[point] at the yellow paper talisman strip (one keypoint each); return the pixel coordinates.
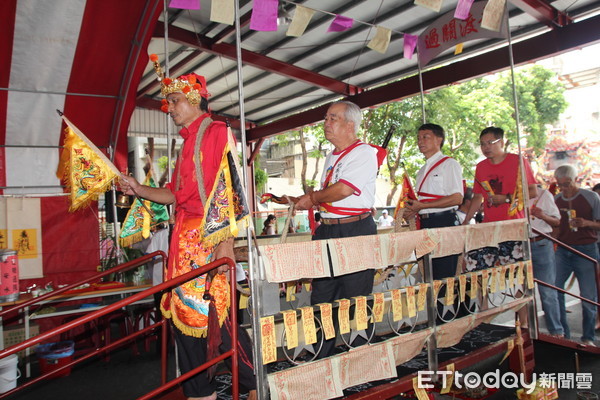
(308, 323)
(449, 291)
(419, 391)
(530, 283)
(494, 280)
(269, 345)
(502, 278)
(410, 301)
(449, 379)
(511, 276)
(327, 320)
(344, 315)
(462, 287)
(396, 304)
(436, 288)
(520, 277)
(378, 306)
(511, 346)
(474, 285)
(243, 302)
(290, 322)
(360, 313)
(485, 276)
(421, 296)
(307, 286)
(290, 291)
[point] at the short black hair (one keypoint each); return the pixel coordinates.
(497, 132)
(596, 187)
(436, 129)
(204, 104)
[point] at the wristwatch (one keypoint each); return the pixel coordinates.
(507, 198)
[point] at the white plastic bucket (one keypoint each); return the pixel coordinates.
(9, 373)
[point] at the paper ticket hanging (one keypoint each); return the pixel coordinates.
(419, 391)
(520, 277)
(511, 346)
(290, 323)
(449, 300)
(344, 315)
(530, 282)
(269, 345)
(396, 304)
(410, 301)
(511, 276)
(421, 296)
(462, 287)
(360, 313)
(327, 320)
(494, 280)
(308, 324)
(473, 288)
(290, 291)
(378, 306)
(502, 278)
(485, 276)
(449, 379)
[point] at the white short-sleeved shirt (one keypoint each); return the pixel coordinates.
(545, 202)
(357, 169)
(444, 180)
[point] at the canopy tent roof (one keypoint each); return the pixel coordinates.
(287, 79)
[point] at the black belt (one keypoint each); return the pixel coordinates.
(345, 220)
(437, 214)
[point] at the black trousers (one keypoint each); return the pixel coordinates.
(327, 290)
(443, 267)
(192, 353)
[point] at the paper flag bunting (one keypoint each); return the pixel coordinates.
(410, 43)
(301, 19)
(185, 4)
(462, 9)
(222, 11)
(381, 41)
(264, 15)
(340, 24)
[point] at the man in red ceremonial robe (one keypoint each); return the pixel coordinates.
(204, 179)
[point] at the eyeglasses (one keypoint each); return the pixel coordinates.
(564, 184)
(489, 142)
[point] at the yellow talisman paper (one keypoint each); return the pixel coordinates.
(449, 379)
(308, 323)
(243, 302)
(290, 322)
(396, 304)
(520, 277)
(511, 276)
(502, 278)
(436, 288)
(378, 306)
(449, 291)
(462, 287)
(410, 301)
(307, 286)
(327, 320)
(269, 345)
(421, 296)
(511, 346)
(530, 283)
(419, 391)
(360, 314)
(485, 277)
(494, 280)
(473, 288)
(344, 315)
(290, 291)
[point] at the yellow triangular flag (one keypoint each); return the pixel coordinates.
(301, 19)
(87, 172)
(381, 40)
(222, 11)
(458, 49)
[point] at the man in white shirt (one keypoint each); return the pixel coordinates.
(345, 200)
(385, 220)
(439, 190)
(544, 216)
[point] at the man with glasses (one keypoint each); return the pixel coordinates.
(496, 180)
(579, 225)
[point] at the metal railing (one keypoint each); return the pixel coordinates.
(162, 323)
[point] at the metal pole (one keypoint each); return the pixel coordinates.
(531, 313)
(166, 45)
(432, 314)
(421, 90)
(259, 369)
